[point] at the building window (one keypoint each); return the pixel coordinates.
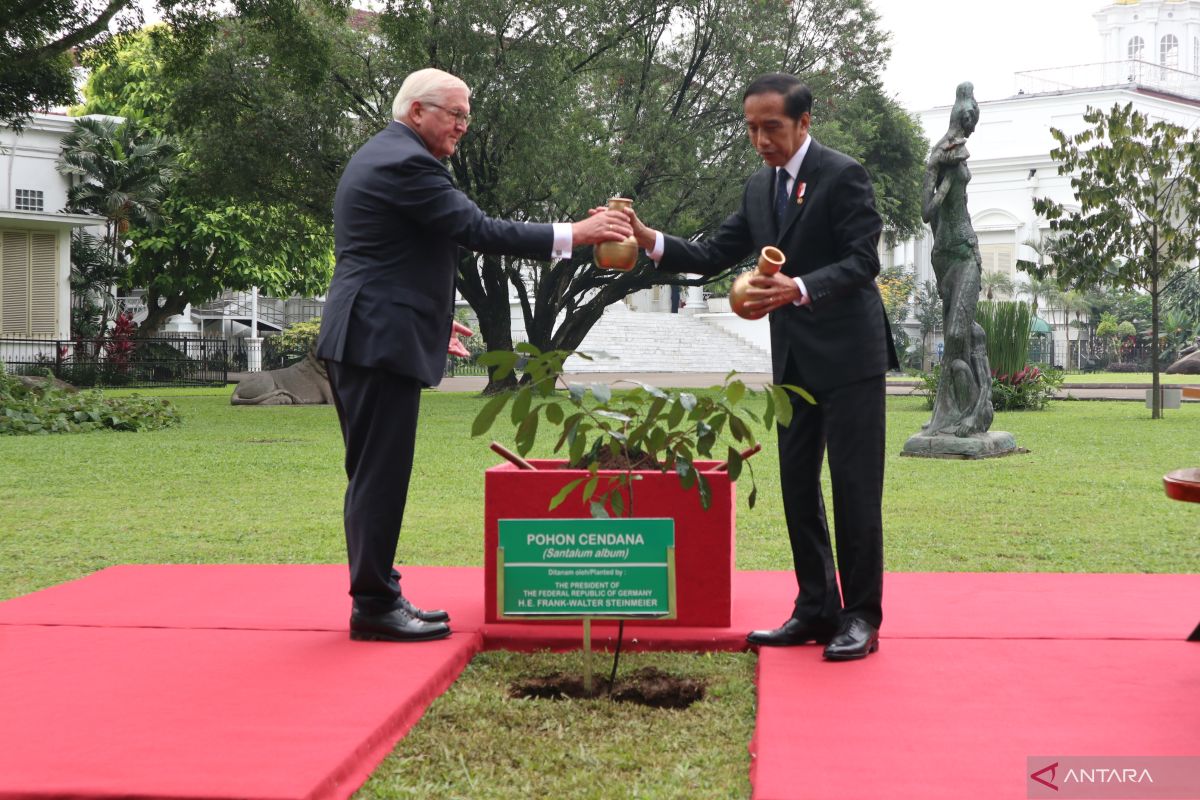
(1168, 51)
(28, 288)
(1137, 48)
(997, 258)
(29, 200)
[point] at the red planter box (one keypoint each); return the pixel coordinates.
(704, 552)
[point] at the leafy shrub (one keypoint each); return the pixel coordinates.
(41, 407)
(1029, 389)
(299, 337)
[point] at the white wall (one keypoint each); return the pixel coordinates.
(27, 161)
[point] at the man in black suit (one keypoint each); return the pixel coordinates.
(398, 224)
(829, 335)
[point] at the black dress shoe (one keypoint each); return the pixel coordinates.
(855, 639)
(435, 615)
(396, 625)
(792, 632)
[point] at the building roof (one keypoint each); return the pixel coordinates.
(47, 221)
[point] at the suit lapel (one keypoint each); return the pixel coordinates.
(759, 191)
(809, 169)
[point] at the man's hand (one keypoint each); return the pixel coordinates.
(602, 225)
(456, 347)
(645, 236)
(769, 292)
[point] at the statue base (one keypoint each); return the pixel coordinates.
(991, 444)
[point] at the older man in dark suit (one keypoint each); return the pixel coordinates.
(398, 224)
(829, 335)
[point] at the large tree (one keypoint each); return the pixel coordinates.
(39, 39)
(642, 98)
(203, 241)
(1137, 183)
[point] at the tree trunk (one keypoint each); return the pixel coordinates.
(1156, 406)
(484, 287)
(157, 316)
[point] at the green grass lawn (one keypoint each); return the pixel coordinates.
(255, 484)
(1136, 378)
(264, 484)
(476, 742)
(1130, 377)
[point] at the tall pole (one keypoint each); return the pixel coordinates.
(254, 343)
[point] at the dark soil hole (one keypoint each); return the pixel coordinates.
(647, 686)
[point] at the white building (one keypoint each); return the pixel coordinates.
(1150, 57)
(35, 236)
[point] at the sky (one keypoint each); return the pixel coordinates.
(982, 41)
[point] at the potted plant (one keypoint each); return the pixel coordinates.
(643, 452)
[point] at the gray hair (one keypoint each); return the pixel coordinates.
(427, 86)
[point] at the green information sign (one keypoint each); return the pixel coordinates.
(586, 567)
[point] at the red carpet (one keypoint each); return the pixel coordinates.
(162, 713)
(953, 719)
(240, 681)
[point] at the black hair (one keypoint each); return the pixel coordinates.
(797, 98)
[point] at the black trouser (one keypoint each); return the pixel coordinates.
(378, 413)
(848, 421)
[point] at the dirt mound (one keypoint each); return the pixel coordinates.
(647, 686)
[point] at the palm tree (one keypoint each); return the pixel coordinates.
(1075, 303)
(992, 282)
(124, 172)
(1041, 288)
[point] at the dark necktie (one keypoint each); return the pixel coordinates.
(781, 196)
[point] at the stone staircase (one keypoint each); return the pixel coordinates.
(643, 341)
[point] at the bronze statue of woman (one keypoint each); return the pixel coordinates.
(964, 396)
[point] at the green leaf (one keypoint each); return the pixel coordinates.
(618, 503)
(568, 426)
(554, 414)
(654, 391)
(602, 392)
(753, 496)
(577, 392)
(675, 415)
(768, 418)
(528, 349)
(686, 472)
(734, 392)
(487, 414)
(589, 488)
(562, 494)
(598, 510)
(502, 360)
(688, 401)
(738, 428)
(526, 434)
(735, 464)
(578, 442)
(783, 406)
(520, 406)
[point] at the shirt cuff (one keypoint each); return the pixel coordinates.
(659, 245)
(803, 291)
(564, 240)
